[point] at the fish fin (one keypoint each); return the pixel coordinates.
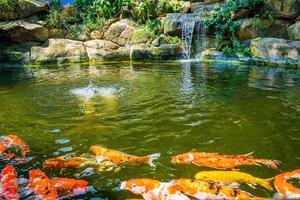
(252, 185)
(152, 158)
(249, 154)
(267, 183)
(234, 185)
(273, 164)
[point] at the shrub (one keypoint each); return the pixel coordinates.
(55, 20)
(7, 6)
(224, 27)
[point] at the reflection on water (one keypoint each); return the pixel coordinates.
(141, 108)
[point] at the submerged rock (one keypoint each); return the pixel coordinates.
(256, 27)
(276, 50)
(59, 51)
(294, 31)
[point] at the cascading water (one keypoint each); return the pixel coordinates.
(201, 32)
(187, 37)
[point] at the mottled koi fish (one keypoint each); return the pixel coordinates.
(221, 161)
(229, 177)
(70, 187)
(205, 190)
(10, 145)
(9, 182)
(42, 186)
(68, 161)
(285, 189)
(152, 189)
(117, 157)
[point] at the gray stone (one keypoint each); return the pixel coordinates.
(59, 51)
(294, 31)
(283, 8)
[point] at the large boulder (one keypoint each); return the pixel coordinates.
(257, 27)
(98, 50)
(294, 31)
(23, 31)
(167, 52)
(120, 32)
(25, 8)
(59, 51)
(174, 22)
(276, 50)
(283, 8)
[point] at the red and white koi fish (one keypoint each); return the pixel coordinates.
(9, 182)
(152, 189)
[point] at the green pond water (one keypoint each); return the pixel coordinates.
(144, 108)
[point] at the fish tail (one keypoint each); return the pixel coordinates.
(267, 183)
(273, 164)
(151, 158)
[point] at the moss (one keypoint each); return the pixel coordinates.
(142, 36)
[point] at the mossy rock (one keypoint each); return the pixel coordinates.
(142, 36)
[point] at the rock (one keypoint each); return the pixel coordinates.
(22, 31)
(257, 27)
(167, 52)
(165, 39)
(19, 53)
(205, 8)
(120, 32)
(59, 51)
(276, 50)
(213, 54)
(283, 8)
(25, 8)
(294, 31)
(97, 34)
(98, 50)
(142, 36)
(140, 51)
(186, 7)
(173, 22)
(240, 14)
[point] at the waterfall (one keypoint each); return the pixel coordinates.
(187, 37)
(201, 32)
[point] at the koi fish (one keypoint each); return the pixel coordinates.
(42, 186)
(9, 182)
(284, 188)
(68, 161)
(70, 187)
(228, 177)
(118, 157)
(10, 145)
(152, 189)
(222, 162)
(209, 190)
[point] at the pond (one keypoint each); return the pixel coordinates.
(144, 108)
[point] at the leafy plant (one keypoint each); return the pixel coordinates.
(7, 6)
(224, 27)
(55, 20)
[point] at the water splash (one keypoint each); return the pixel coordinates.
(187, 37)
(91, 91)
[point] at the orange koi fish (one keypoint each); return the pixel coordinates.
(285, 189)
(9, 182)
(42, 186)
(70, 187)
(10, 145)
(152, 189)
(222, 162)
(117, 157)
(209, 190)
(67, 161)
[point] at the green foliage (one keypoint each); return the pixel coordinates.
(8, 6)
(153, 26)
(224, 27)
(150, 9)
(55, 20)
